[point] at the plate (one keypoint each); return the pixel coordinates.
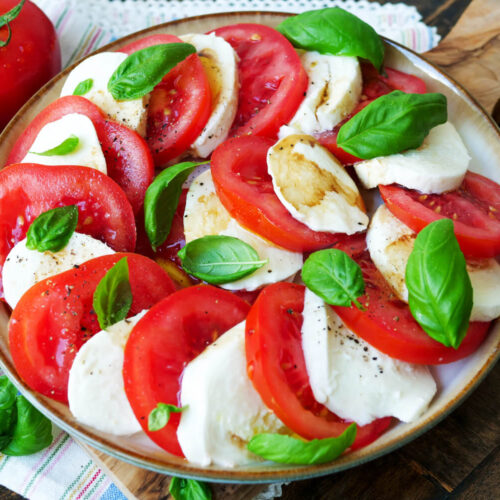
(455, 381)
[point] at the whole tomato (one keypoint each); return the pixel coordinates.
(30, 59)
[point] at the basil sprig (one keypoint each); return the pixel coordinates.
(65, 148)
(219, 259)
(141, 71)
(439, 287)
(334, 31)
(392, 123)
(189, 489)
(83, 87)
(159, 416)
(7, 18)
(113, 295)
(335, 277)
(289, 450)
(52, 230)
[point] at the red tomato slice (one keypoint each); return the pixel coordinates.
(276, 366)
(128, 158)
(272, 80)
(239, 171)
(474, 209)
(55, 317)
(387, 323)
(180, 104)
(164, 341)
(27, 190)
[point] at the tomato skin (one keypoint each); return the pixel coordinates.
(168, 337)
(276, 367)
(55, 317)
(272, 79)
(128, 159)
(31, 58)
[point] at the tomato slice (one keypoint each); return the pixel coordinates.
(128, 158)
(180, 104)
(272, 79)
(27, 190)
(276, 366)
(164, 341)
(55, 317)
(387, 323)
(239, 171)
(474, 209)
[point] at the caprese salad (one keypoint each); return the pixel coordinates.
(187, 253)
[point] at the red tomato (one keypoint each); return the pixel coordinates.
(387, 323)
(31, 58)
(164, 341)
(27, 190)
(55, 317)
(128, 158)
(239, 171)
(272, 80)
(276, 366)
(180, 104)
(474, 209)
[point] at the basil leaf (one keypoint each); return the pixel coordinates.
(52, 230)
(8, 411)
(189, 489)
(113, 295)
(141, 71)
(334, 31)
(289, 450)
(83, 87)
(161, 200)
(439, 287)
(391, 124)
(8, 393)
(219, 259)
(335, 277)
(65, 148)
(159, 416)
(6, 18)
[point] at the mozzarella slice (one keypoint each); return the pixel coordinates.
(96, 392)
(314, 187)
(224, 411)
(353, 379)
(438, 165)
(24, 267)
(205, 215)
(88, 153)
(99, 69)
(334, 89)
(220, 62)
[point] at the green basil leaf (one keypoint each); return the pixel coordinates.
(8, 393)
(32, 432)
(391, 124)
(8, 411)
(159, 416)
(52, 230)
(113, 295)
(219, 259)
(189, 489)
(161, 200)
(65, 148)
(335, 277)
(6, 18)
(83, 87)
(334, 31)
(289, 450)
(439, 287)
(141, 71)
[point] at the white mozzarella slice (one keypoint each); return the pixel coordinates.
(205, 215)
(354, 380)
(314, 187)
(438, 165)
(224, 411)
(99, 69)
(88, 152)
(334, 89)
(220, 62)
(96, 392)
(24, 267)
